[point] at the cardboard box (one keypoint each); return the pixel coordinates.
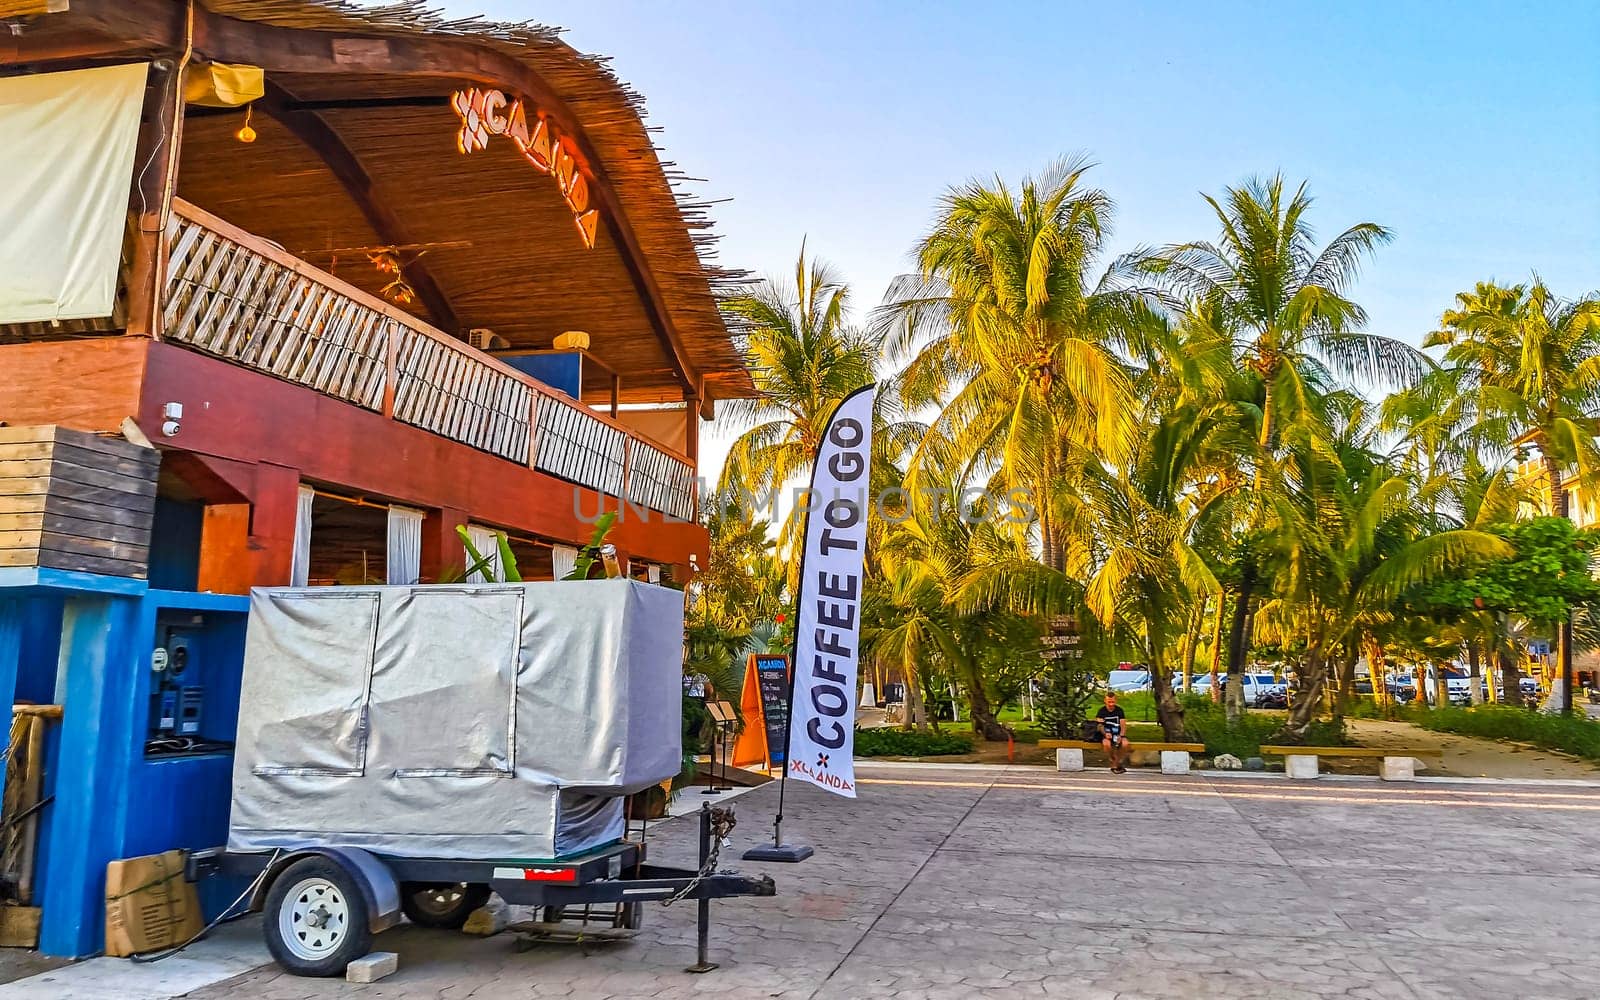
(149, 906)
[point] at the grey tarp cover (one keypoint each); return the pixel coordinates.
(472, 721)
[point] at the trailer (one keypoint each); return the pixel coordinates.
(410, 750)
(322, 905)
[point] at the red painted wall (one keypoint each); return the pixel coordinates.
(237, 414)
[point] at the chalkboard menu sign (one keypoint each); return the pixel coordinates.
(772, 674)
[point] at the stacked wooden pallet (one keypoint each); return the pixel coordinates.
(76, 501)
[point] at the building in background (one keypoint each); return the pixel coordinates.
(289, 292)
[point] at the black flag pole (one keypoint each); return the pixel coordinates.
(778, 850)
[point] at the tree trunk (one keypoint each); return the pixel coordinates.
(1561, 506)
(1510, 685)
(1236, 641)
(984, 724)
(1347, 680)
(1312, 679)
(1474, 673)
(1216, 645)
(916, 707)
(1191, 644)
(1169, 712)
(1375, 671)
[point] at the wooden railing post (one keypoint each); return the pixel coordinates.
(627, 475)
(391, 367)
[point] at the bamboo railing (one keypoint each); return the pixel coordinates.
(235, 296)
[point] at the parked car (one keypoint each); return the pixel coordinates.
(1276, 696)
(1254, 685)
(1457, 686)
(1128, 680)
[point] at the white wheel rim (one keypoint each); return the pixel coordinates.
(314, 919)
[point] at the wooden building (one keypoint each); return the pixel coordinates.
(351, 288)
(290, 291)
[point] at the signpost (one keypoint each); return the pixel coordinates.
(1064, 641)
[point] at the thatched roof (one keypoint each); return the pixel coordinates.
(525, 274)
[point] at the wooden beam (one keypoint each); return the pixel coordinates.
(318, 136)
(31, 8)
(160, 133)
(285, 50)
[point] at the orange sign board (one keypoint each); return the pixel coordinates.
(764, 703)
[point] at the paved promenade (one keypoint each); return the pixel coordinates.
(966, 881)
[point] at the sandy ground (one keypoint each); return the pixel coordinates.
(1469, 756)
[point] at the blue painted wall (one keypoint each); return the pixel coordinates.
(559, 371)
(110, 801)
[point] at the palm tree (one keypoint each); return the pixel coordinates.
(805, 358)
(1353, 534)
(1529, 369)
(1282, 300)
(1014, 339)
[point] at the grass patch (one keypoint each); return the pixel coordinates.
(903, 743)
(1572, 734)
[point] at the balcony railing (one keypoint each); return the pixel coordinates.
(237, 297)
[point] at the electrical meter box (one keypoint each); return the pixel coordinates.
(184, 674)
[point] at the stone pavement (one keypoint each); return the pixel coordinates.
(950, 881)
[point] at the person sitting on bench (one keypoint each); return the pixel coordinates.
(1115, 743)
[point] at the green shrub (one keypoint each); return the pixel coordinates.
(1207, 722)
(1573, 734)
(1325, 733)
(909, 743)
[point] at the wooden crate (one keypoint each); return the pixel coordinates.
(76, 501)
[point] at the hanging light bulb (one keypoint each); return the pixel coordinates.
(246, 134)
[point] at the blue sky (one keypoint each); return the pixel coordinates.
(1470, 129)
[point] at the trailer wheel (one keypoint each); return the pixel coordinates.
(445, 905)
(316, 919)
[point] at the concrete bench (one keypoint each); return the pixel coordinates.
(1301, 762)
(1174, 756)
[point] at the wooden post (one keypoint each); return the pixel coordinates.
(155, 164)
(442, 550)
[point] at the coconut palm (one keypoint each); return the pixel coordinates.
(1014, 338)
(805, 358)
(1282, 300)
(1528, 364)
(1353, 534)
(1526, 367)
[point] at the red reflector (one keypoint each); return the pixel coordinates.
(550, 874)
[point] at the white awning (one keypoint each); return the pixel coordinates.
(66, 166)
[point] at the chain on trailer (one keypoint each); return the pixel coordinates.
(722, 824)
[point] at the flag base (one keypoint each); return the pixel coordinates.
(790, 853)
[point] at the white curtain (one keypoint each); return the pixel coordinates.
(300, 562)
(484, 540)
(565, 559)
(652, 573)
(66, 163)
(404, 556)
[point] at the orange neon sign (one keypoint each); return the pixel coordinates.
(485, 113)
